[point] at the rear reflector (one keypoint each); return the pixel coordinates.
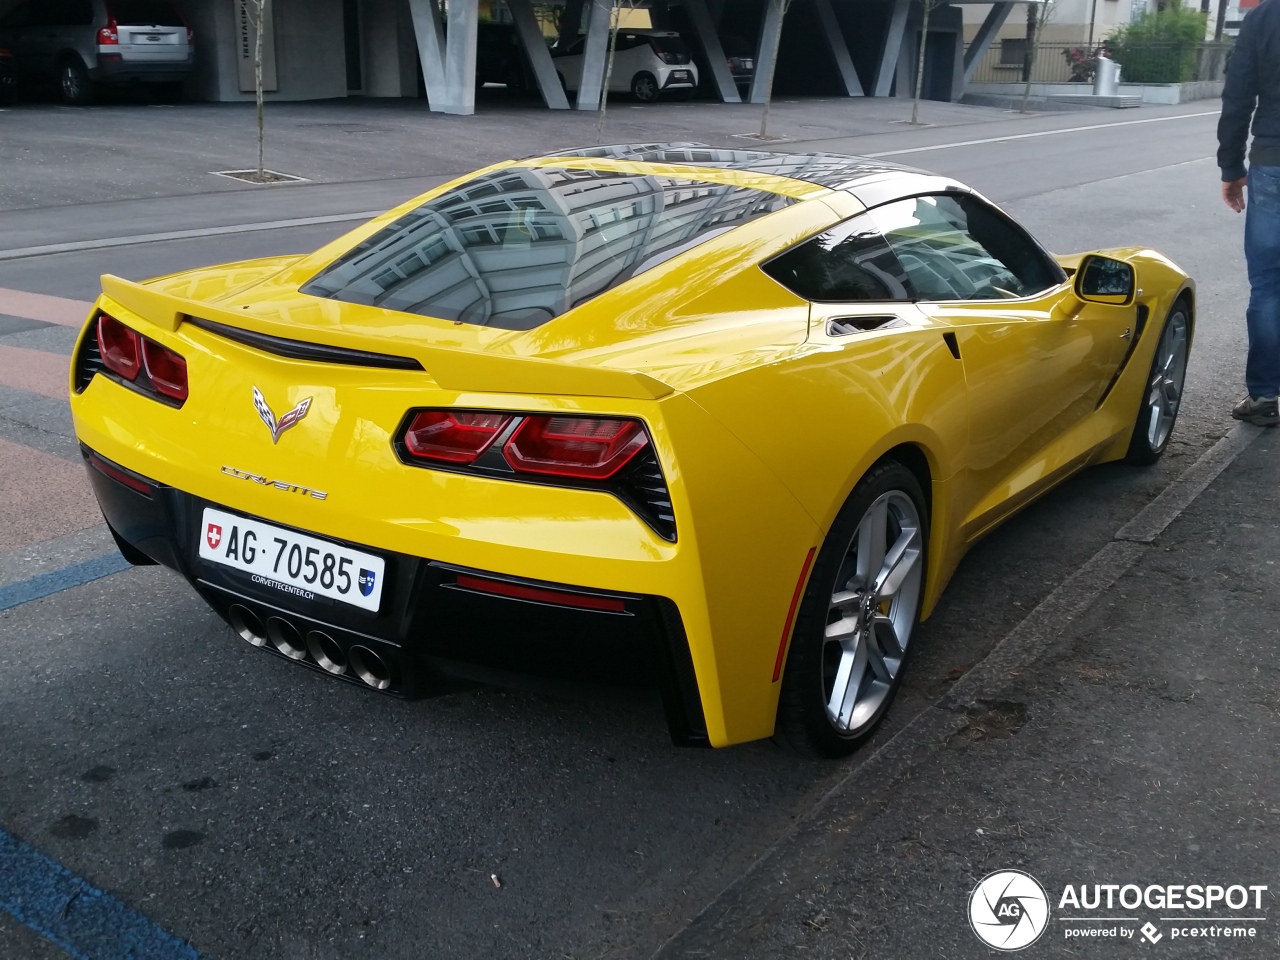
(120, 475)
(593, 448)
(559, 598)
(453, 436)
(791, 614)
(120, 347)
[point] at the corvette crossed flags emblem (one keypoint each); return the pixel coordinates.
(286, 421)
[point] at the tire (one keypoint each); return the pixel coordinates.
(74, 83)
(644, 87)
(1158, 411)
(846, 637)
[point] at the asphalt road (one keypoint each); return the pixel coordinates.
(257, 810)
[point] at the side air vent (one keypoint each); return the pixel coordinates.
(843, 326)
(643, 488)
(88, 359)
(301, 350)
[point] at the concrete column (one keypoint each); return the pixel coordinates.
(839, 49)
(430, 37)
(460, 58)
(892, 48)
(710, 40)
(991, 25)
(539, 56)
(595, 54)
(571, 20)
(767, 53)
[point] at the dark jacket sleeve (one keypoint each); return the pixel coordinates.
(1239, 96)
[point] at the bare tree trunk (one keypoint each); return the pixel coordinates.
(1030, 62)
(257, 76)
(924, 43)
(783, 6)
(608, 65)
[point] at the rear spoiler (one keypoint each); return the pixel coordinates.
(452, 368)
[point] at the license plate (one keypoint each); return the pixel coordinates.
(680, 74)
(292, 563)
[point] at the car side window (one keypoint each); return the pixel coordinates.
(956, 247)
(20, 16)
(849, 262)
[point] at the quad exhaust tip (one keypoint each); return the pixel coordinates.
(286, 638)
(370, 667)
(247, 623)
(326, 652)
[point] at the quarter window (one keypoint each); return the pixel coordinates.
(956, 247)
(849, 262)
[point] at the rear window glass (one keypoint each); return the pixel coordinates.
(147, 13)
(670, 45)
(520, 246)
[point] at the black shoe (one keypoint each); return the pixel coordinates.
(1260, 411)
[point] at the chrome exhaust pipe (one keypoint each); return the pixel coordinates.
(326, 652)
(370, 667)
(285, 637)
(247, 623)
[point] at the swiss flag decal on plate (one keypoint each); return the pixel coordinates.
(214, 535)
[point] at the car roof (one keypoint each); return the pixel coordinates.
(870, 179)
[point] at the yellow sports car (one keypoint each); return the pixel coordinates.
(725, 420)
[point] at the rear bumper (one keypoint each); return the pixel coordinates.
(430, 629)
(134, 71)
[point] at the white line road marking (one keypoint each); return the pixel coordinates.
(1021, 647)
(18, 253)
(1040, 133)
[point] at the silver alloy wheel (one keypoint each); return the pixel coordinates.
(645, 88)
(1168, 374)
(71, 82)
(872, 612)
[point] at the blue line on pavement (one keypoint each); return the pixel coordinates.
(46, 584)
(72, 913)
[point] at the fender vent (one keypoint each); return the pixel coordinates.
(843, 326)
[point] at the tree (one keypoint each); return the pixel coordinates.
(920, 52)
(1038, 14)
(256, 10)
(782, 6)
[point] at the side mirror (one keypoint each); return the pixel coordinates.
(1104, 280)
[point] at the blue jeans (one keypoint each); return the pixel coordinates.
(1262, 254)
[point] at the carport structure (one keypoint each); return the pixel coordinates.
(449, 59)
(319, 49)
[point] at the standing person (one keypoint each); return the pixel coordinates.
(1252, 92)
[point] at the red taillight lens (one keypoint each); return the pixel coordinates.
(108, 35)
(590, 447)
(453, 436)
(5, 53)
(167, 370)
(560, 598)
(120, 347)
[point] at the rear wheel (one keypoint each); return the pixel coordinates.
(853, 633)
(74, 83)
(1158, 411)
(644, 87)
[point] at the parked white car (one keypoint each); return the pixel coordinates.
(648, 63)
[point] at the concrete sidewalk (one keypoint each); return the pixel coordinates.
(1141, 749)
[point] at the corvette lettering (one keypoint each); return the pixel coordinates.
(277, 484)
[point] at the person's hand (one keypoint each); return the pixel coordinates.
(1233, 194)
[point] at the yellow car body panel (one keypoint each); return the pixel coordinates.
(762, 417)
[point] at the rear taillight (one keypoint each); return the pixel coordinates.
(610, 454)
(167, 370)
(150, 367)
(108, 35)
(5, 53)
(121, 348)
(593, 448)
(453, 436)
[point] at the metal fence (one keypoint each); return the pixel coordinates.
(1010, 61)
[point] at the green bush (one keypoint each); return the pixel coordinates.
(1159, 47)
